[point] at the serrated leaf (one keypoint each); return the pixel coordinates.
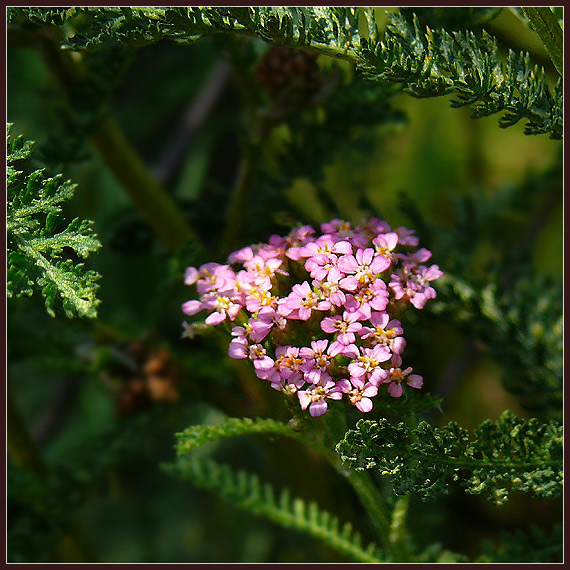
(522, 455)
(37, 255)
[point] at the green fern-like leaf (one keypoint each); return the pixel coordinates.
(521, 455)
(431, 63)
(37, 247)
(195, 436)
(247, 492)
(523, 328)
(425, 62)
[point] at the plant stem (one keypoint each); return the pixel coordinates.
(398, 525)
(546, 26)
(360, 481)
(147, 195)
(236, 214)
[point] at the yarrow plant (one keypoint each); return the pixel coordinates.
(315, 314)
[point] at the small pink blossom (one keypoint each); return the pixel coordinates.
(241, 255)
(301, 302)
(406, 236)
(414, 284)
(210, 277)
(385, 245)
(342, 230)
(315, 397)
(374, 296)
(264, 269)
(385, 332)
(223, 307)
(286, 368)
(360, 392)
(318, 359)
(395, 378)
(343, 326)
(368, 364)
(361, 268)
(330, 292)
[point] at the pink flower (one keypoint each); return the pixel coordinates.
(330, 292)
(223, 307)
(360, 392)
(372, 297)
(263, 269)
(254, 331)
(326, 245)
(301, 302)
(296, 239)
(292, 363)
(372, 227)
(259, 297)
(385, 245)
(315, 397)
(272, 317)
(318, 359)
(324, 267)
(367, 364)
(344, 326)
(261, 362)
(397, 376)
(287, 370)
(210, 277)
(415, 284)
(406, 237)
(410, 260)
(240, 255)
(361, 268)
(342, 230)
(385, 332)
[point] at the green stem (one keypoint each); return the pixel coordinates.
(372, 502)
(360, 481)
(156, 207)
(146, 194)
(237, 208)
(546, 26)
(397, 535)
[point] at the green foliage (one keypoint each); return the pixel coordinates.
(38, 247)
(536, 545)
(483, 201)
(524, 455)
(247, 492)
(521, 327)
(431, 63)
(195, 436)
(427, 63)
(504, 302)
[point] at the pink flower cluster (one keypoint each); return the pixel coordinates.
(314, 313)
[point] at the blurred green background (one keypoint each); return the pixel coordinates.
(85, 388)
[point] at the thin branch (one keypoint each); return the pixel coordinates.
(169, 163)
